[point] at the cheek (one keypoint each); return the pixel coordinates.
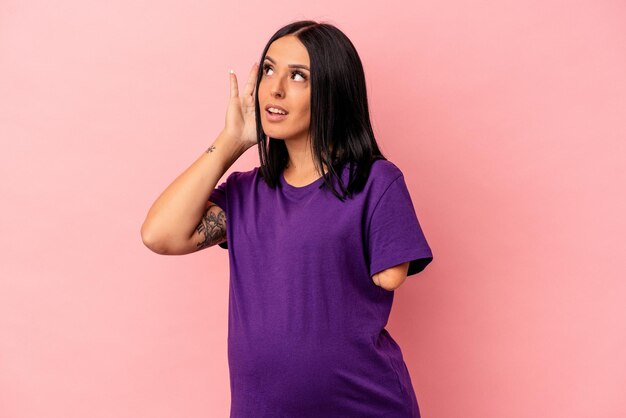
(305, 104)
(304, 110)
(262, 90)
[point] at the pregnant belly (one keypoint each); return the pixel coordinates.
(312, 376)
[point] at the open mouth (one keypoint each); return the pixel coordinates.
(274, 116)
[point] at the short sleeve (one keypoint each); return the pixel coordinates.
(394, 235)
(218, 196)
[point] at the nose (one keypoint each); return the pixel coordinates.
(277, 89)
(276, 92)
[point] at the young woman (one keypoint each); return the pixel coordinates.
(319, 235)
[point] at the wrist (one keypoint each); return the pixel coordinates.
(229, 146)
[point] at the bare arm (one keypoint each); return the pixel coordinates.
(211, 230)
(180, 219)
(391, 278)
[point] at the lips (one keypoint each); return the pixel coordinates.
(276, 107)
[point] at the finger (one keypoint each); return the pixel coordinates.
(234, 89)
(251, 80)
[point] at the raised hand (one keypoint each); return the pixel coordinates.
(240, 114)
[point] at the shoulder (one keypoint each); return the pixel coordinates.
(385, 170)
(242, 177)
(382, 174)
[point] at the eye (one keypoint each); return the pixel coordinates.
(300, 74)
(295, 72)
(265, 67)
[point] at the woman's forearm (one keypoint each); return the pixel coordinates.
(176, 213)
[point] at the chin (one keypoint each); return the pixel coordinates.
(275, 132)
(282, 134)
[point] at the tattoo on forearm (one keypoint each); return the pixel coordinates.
(212, 226)
(210, 149)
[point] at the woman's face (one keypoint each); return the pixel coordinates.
(285, 82)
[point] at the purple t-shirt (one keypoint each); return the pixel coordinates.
(306, 329)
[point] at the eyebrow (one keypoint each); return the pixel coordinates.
(267, 57)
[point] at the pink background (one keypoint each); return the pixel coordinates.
(507, 118)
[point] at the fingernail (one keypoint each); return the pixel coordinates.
(232, 72)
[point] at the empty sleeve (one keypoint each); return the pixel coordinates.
(394, 235)
(219, 197)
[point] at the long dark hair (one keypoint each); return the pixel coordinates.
(340, 123)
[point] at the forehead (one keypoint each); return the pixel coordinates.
(288, 50)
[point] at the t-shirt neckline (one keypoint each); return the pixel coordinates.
(301, 188)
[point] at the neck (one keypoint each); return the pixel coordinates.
(301, 163)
